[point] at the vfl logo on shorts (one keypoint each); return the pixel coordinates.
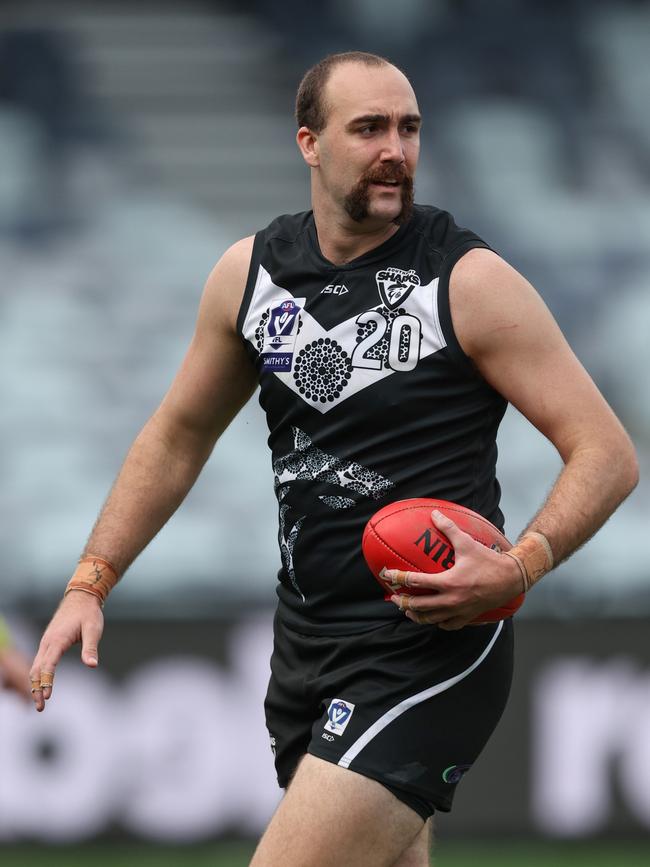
(338, 715)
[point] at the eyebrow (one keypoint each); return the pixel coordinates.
(384, 118)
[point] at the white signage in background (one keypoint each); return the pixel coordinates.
(57, 775)
(591, 726)
(179, 751)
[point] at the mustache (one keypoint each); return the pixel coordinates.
(386, 173)
(357, 200)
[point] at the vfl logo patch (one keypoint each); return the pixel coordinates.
(280, 334)
(395, 285)
(338, 715)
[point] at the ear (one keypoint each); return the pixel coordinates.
(308, 143)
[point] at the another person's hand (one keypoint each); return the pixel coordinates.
(78, 618)
(479, 580)
(14, 670)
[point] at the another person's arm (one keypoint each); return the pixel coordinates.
(14, 667)
(506, 329)
(214, 381)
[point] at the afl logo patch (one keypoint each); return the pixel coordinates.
(395, 284)
(279, 338)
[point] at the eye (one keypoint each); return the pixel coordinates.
(368, 129)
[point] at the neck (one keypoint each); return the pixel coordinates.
(339, 245)
(341, 239)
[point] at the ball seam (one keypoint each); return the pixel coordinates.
(392, 550)
(475, 516)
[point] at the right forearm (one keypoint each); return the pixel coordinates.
(157, 474)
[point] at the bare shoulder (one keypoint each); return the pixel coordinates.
(506, 329)
(224, 288)
(492, 303)
(216, 377)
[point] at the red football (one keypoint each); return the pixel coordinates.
(403, 536)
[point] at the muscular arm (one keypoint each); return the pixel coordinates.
(214, 381)
(506, 329)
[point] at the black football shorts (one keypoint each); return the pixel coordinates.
(410, 706)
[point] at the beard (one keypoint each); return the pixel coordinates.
(357, 201)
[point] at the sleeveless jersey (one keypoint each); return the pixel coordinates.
(369, 399)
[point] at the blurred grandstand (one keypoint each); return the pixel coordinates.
(138, 141)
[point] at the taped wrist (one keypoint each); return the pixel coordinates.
(534, 556)
(93, 575)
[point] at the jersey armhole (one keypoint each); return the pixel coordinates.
(444, 308)
(251, 282)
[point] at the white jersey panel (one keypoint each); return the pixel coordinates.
(326, 366)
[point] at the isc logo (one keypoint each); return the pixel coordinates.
(334, 289)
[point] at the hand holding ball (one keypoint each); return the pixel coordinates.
(403, 536)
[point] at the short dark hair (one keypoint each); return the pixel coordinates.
(310, 108)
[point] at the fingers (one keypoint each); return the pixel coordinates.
(421, 609)
(37, 692)
(459, 539)
(41, 678)
(441, 598)
(451, 530)
(397, 578)
(47, 682)
(453, 623)
(430, 610)
(402, 600)
(433, 618)
(90, 635)
(42, 672)
(78, 618)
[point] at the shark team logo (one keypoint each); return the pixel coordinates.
(395, 285)
(338, 715)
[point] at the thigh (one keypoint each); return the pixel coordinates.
(331, 815)
(419, 853)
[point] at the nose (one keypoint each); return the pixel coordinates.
(393, 150)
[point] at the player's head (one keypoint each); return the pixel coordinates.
(359, 131)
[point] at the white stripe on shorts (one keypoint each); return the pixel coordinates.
(407, 703)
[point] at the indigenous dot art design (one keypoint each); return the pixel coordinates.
(380, 350)
(259, 331)
(338, 502)
(307, 462)
(322, 370)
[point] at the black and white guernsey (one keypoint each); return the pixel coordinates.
(369, 399)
